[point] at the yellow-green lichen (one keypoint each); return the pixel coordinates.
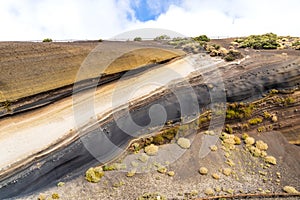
(131, 173)
(261, 145)
(151, 150)
(184, 143)
(227, 171)
(290, 190)
(271, 160)
(203, 170)
(94, 174)
(55, 196)
(255, 121)
(213, 148)
(209, 191)
(171, 173)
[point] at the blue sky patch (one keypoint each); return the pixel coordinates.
(146, 10)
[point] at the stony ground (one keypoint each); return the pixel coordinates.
(173, 173)
(245, 173)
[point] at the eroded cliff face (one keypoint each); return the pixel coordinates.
(245, 83)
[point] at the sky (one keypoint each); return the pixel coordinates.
(95, 19)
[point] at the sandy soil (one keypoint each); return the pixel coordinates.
(30, 68)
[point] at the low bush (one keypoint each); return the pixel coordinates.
(255, 121)
(47, 40)
(265, 41)
(239, 111)
(233, 55)
(138, 39)
(202, 38)
(162, 37)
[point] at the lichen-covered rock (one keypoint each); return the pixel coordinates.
(171, 173)
(151, 150)
(290, 190)
(213, 148)
(271, 160)
(151, 196)
(41, 197)
(216, 176)
(131, 173)
(209, 132)
(256, 152)
(249, 141)
(55, 196)
(261, 145)
(203, 170)
(184, 143)
(244, 136)
(94, 175)
(143, 157)
(227, 171)
(60, 184)
(209, 191)
(162, 169)
(274, 118)
(237, 140)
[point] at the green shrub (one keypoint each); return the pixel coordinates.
(162, 37)
(202, 38)
(239, 111)
(158, 140)
(255, 121)
(47, 40)
(100, 40)
(297, 43)
(265, 41)
(232, 55)
(137, 39)
(228, 129)
(216, 46)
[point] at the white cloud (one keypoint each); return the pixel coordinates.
(230, 17)
(90, 19)
(62, 19)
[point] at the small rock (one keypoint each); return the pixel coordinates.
(151, 150)
(245, 136)
(209, 191)
(255, 151)
(230, 191)
(171, 173)
(162, 169)
(213, 148)
(274, 118)
(290, 190)
(184, 143)
(261, 145)
(237, 140)
(227, 171)
(131, 173)
(41, 197)
(143, 158)
(249, 141)
(60, 184)
(203, 170)
(194, 192)
(270, 159)
(216, 176)
(94, 174)
(55, 196)
(218, 189)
